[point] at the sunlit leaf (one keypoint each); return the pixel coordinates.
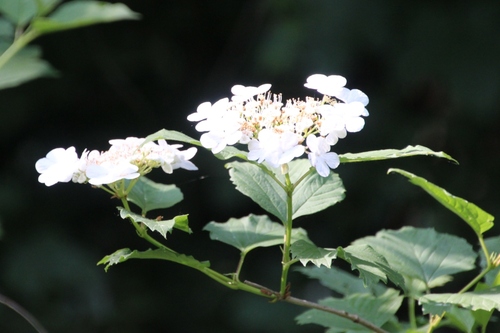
(126, 254)
(149, 195)
(477, 300)
(76, 14)
(377, 310)
(161, 226)
(423, 255)
(171, 135)
(251, 231)
(372, 266)
(476, 218)
(24, 66)
(340, 281)
(307, 252)
(313, 194)
(385, 154)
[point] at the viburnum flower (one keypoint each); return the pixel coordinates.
(127, 158)
(276, 130)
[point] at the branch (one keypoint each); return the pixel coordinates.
(301, 302)
(23, 313)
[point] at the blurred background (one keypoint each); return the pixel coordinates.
(430, 68)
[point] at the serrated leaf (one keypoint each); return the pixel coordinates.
(76, 14)
(422, 254)
(377, 310)
(126, 254)
(340, 281)
(385, 154)
(476, 300)
(19, 12)
(26, 65)
(251, 231)
(149, 195)
(313, 194)
(162, 226)
(307, 252)
(476, 218)
(370, 264)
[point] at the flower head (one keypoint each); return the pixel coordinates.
(277, 131)
(58, 166)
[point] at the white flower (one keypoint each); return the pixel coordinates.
(320, 156)
(58, 166)
(242, 93)
(171, 158)
(351, 114)
(327, 85)
(209, 114)
(275, 149)
(111, 171)
(354, 96)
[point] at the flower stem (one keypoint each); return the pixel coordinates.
(23, 40)
(23, 313)
(287, 241)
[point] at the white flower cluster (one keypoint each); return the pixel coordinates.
(277, 132)
(125, 159)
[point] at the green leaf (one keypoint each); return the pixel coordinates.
(126, 254)
(476, 218)
(76, 14)
(313, 194)
(149, 195)
(19, 12)
(377, 310)
(385, 154)
(6, 32)
(164, 134)
(45, 6)
(251, 231)
(306, 252)
(423, 256)
(24, 66)
(487, 300)
(154, 225)
(462, 319)
(372, 266)
(340, 281)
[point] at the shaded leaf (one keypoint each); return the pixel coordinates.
(462, 319)
(76, 14)
(314, 193)
(306, 252)
(476, 218)
(149, 195)
(251, 231)
(372, 266)
(492, 278)
(476, 300)
(377, 310)
(385, 154)
(126, 254)
(340, 281)
(422, 254)
(26, 65)
(19, 12)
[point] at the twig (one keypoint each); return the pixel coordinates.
(301, 302)
(23, 313)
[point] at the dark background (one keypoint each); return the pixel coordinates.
(430, 68)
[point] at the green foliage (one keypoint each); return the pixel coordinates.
(250, 232)
(492, 278)
(476, 218)
(385, 154)
(372, 266)
(487, 300)
(424, 257)
(149, 195)
(306, 252)
(340, 281)
(376, 309)
(77, 14)
(162, 254)
(162, 226)
(313, 194)
(25, 66)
